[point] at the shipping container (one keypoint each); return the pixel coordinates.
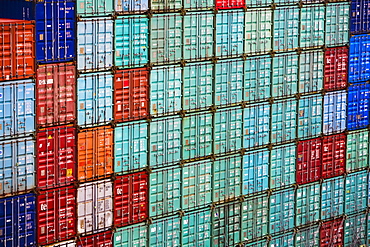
(230, 26)
(226, 220)
(196, 228)
(285, 2)
(230, 4)
(255, 171)
(285, 75)
(130, 199)
(228, 82)
(94, 207)
(281, 211)
(309, 236)
(357, 150)
(17, 39)
(359, 64)
(262, 243)
(56, 215)
(226, 178)
(311, 71)
(336, 68)
(131, 89)
(255, 218)
(165, 232)
(286, 239)
(55, 94)
(257, 78)
(331, 233)
(355, 230)
(308, 204)
(17, 166)
(256, 130)
(166, 38)
(165, 143)
(360, 17)
(70, 243)
(18, 221)
(166, 5)
(94, 44)
(310, 117)
(55, 26)
(258, 3)
(228, 130)
(130, 146)
(356, 195)
(103, 239)
(312, 30)
(165, 191)
(95, 153)
(94, 99)
(93, 8)
(309, 158)
(198, 4)
(337, 23)
(358, 106)
(334, 115)
(197, 135)
(196, 185)
(128, 6)
(283, 120)
(332, 198)
(333, 160)
(165, 94)
(131, 236)
(198, 36)
(258, 31)
(17, 113)
(197, 86)
(56, 156)
(131, 41)
(286, 28)
(282, 166)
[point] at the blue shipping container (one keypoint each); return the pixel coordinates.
(358, 106)
(55, 26)
(359, 62)
(334, 117)
(360, 16)
(255, 171)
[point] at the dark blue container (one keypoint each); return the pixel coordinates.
(18, 221)
(358, 106)
(55, 26)
(360, 16)
(359, 58)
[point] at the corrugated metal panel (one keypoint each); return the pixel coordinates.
(309, 236)
(198, 4)
(255, 171)
(285, 75)
(256, 120)
(196, 228)
(311, 71)
(286, 28)
(357, 150)
(165, 232)
(131, 41)
(286, 239)
(165, 5)
(356, 195)
(308, 164)
(308, 204)
(333, 159)
(335, 115)
(131, 236)
(360, 17)
(332, 198)
(358, 106)
(258, 3)
(359, 64)
(337, 24)
(282, 204)
(282, 166)
(331, 233)
(127, 6)
(283, 120)
(310, 116)
(355, 230)
(312, 31)
(336, 68)
(95, 8)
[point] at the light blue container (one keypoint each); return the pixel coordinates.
(17, 111)
(197, 135)
(165, 141)
(282, 166)
(311, 71)
(198, 4)
(282, 204)
(355, 230)
(165, 232)
(335, 112)
(131, 41)
(312, 31)
(131, 236)
(228, 130)
(283, 120)
(165, 90)
(95, 44)
(124, 6)
(196, 185)
(308, 204)
(255, 171)
(357, 150)
(286, 28)
(229, 33)
(283, 240)
(197, 86)
(256, 125)
(337, 24)
(94, 99)
(130, 146)
(17, 166)
(229, 82)
(164, 191)
(310, 116)
(309, 236)
(356, 195)
(196, 228)
(285, 75)
(332, 198)
(227, 177)
(257, 78)
(93, 8)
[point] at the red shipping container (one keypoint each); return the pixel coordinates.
(103, 239)
(95, 153)
(308, 168)
(331, 233)
(333, 155)
(130, 199)
(17, 56)
(335, 68)
(56, 214)
(131, 88)
(56, 156)
(230, 4)
(55, 94)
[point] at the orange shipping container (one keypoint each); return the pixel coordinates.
(95, 153)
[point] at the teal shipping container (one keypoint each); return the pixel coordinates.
(357, 150)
